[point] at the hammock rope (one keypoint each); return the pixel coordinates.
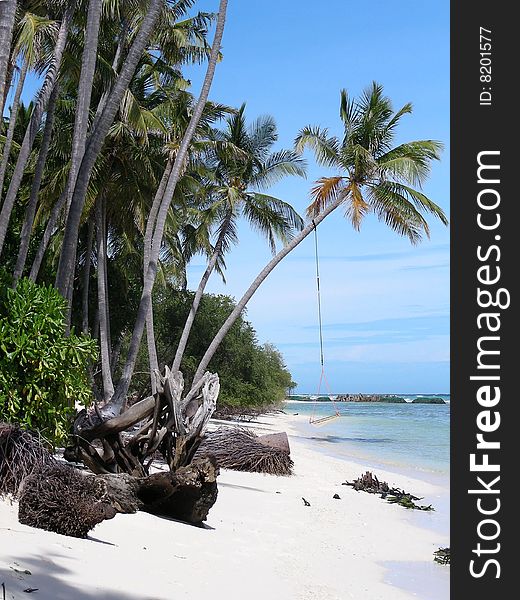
(323, 379)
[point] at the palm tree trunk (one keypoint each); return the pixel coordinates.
(86, 277)
(88, 65)
(178, 166)
(95, 143)
(116, 64)
(35, 122)
(7, 17)
(47, 234)
(30, 211)
(198, 295)
(108, 386)
(148, 237)
(12, 122)
(217, 340)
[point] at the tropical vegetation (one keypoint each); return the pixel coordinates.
(115, 177)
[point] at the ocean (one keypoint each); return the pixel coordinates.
(414, 438)
(411, 439)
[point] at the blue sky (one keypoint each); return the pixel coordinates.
(385, 303)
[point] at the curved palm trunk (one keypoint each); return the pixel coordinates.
(180, 159)
(95, 143)
(7, 16)
(106, 373)
(85, 283)
(88, 65)
(12, 122)
(217, 340)
(198, 295)
(30, 211)
(35, 122)
(148, 237)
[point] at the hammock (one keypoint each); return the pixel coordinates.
(313, 420)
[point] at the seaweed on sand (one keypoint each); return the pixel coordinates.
(370, 483)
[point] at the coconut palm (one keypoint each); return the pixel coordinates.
(31, 31)
(97, 137)
(241, 163)
(373, 177)
(159, 220)
(7, 18)
(49, 82)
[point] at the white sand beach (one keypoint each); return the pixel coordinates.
(260, 542)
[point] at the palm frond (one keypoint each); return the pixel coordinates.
(323, 193)
(325, 148)
(277, 166)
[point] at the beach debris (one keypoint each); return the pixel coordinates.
(306, 502)
(442, 556)
(20, 453)
(370, 483)
(225, 412)
(60, 498)
(336, 497)
(242, 450)
(186, 494)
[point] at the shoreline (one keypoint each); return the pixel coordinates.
(259, 541)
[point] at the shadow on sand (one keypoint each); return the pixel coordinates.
(42, 578)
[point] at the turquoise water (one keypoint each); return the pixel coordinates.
(410, 437)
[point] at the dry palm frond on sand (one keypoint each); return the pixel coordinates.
(241, 450)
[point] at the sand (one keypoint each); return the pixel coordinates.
(260, 542)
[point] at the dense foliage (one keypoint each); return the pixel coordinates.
(116, 176)
(251, 374)
(42, 371)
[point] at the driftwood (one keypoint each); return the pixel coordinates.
(61, 499)
(279, 441)
(370, 483)
(186, 494)
(167, 423)
(20, 453)
(442, 556)
(241, 450)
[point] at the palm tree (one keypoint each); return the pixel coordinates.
(36, 119)
(67, 261)
(7, 18)
(242, 164)
(32, 29)
(373, 177)
(86, 81)
(115, 405)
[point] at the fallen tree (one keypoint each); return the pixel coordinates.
(169, 424)
(65, 500)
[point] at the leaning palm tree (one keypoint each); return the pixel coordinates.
(242, 166)
(159, 217)
(373, 177)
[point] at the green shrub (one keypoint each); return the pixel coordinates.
(42, 371)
